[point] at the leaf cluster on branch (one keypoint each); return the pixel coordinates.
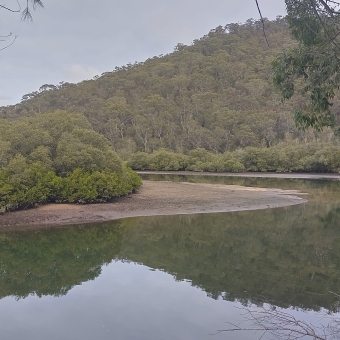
(313, 67)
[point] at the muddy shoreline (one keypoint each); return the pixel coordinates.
(154, 198)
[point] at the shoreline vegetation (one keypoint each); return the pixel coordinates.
(58, 157)
(313, 157)
(155, 198)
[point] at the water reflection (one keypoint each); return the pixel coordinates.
(287, 256)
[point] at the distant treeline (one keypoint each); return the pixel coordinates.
(311, 157)
(58, 158)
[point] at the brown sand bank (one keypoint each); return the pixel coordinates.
(155, 198)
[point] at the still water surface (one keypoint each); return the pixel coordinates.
(173, 277)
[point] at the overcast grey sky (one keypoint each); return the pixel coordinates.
(74, 40)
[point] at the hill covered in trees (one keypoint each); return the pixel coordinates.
(216, 94)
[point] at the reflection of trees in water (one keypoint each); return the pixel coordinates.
(51, 262)
(305, 185)
(246, 255)
(289, 255)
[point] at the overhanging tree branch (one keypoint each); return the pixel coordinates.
(323, 25)
(330, 10)
(15, 38)
(25, 15)
(316, 26)
(11, 10)
(262, 20)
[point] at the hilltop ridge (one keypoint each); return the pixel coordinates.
(215, 94)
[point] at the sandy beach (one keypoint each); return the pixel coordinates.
(154, 198)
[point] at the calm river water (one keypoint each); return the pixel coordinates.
(177, 277)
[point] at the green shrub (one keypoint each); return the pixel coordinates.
(255, 159)
(139, 161)
(58, 157)
(324, 160)
(24, 185)
(200, 160)
(85, 187)
(280, 158)
(168, 161)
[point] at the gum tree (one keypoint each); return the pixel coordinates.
(312, 67)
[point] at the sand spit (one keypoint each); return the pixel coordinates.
(155, 198)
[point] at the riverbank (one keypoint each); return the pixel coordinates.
(291, 175)
(154, 198)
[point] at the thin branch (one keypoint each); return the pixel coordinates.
(328, 9)
(298, 334)
(323, 25)
(26, 13)
(262, 20)
(330, 292)
(15, 38)
(11, 10)
(282, 325)
(6, 36)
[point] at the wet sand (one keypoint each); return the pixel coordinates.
(154, 198)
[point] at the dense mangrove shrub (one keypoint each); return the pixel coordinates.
(58, 158)
(165, 160)
(139, 161)
(85, 187)
(281, 158)
(23, 185)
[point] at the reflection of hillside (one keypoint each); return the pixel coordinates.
(290, 256)
(248, 255)
(51, 262)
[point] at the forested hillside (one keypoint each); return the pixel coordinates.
(216, 94)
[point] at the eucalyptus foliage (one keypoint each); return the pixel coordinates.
(312, 67)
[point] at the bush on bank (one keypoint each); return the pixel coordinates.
(281, 158)
(33, 184)
(58, 158)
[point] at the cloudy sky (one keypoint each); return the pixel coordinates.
(74, 40)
